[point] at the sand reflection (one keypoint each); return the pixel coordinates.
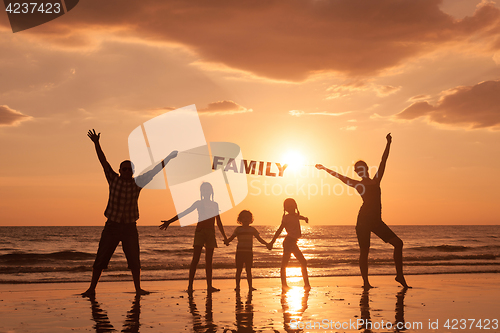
(244, 313)
(102, 322)
(293, 303)
(202, 323)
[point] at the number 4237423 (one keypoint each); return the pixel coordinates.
(469, 324)
(33, 8)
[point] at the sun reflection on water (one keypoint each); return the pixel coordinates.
(294, 303)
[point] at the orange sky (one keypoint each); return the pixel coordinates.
(325, 79)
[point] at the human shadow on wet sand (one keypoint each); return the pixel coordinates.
(365, 323)
(203, 324)
(103, 324)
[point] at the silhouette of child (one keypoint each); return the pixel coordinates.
(208, 213)
(291, 222)
(244, 253)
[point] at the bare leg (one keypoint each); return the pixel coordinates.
(363, 266)
(303, 265)
(209, 255)
(398, 260)
(136, 275)
(249, 277)
(96, 274)
(239, 269)
(284, 263)
(194, 264)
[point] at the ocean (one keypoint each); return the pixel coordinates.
(66, 254)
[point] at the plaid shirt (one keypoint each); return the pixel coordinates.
(124, 195)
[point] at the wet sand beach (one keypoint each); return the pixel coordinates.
(334, 304)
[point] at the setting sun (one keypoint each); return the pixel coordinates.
(294, 159)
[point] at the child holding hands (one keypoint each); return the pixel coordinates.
(244, 252)
(291, 222)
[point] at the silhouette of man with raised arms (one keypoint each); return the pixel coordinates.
(122, 212)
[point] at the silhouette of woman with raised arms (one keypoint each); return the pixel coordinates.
(370, 215)
(208, 213)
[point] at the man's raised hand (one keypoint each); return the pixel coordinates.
(94, 136)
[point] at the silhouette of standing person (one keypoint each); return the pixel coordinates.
(370, 215)
(122, 212)
(291, 222)
(244, 250)
(208, 213)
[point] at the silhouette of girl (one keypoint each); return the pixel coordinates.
(208, 213)
(291, 222)
(370, 215)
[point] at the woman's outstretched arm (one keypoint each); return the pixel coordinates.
(385, 155)
(344, 179)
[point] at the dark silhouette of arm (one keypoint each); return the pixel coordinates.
(166, 223)
(304, 218)
(276, 235)
(262, 241)
(143, 179)
(385, 155)
(230, 239)
(221, 227)
(344, 179)
(100, 154)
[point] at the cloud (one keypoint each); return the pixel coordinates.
(285, 40)
(215, 108)
(385, 90)
(118, 76)
(346, 89)
(376, 116)
(475, 106)
(418, 97)
(223, 108)
(299, 113)
(351, 87)
(10, 117)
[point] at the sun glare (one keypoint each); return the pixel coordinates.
(294, 159)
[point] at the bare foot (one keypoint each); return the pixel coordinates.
(252, 289)
(308, 287)
(367, 286)
(285, 288)
(212, 290)
(142, 292)
(88, 293)
(401, 279)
